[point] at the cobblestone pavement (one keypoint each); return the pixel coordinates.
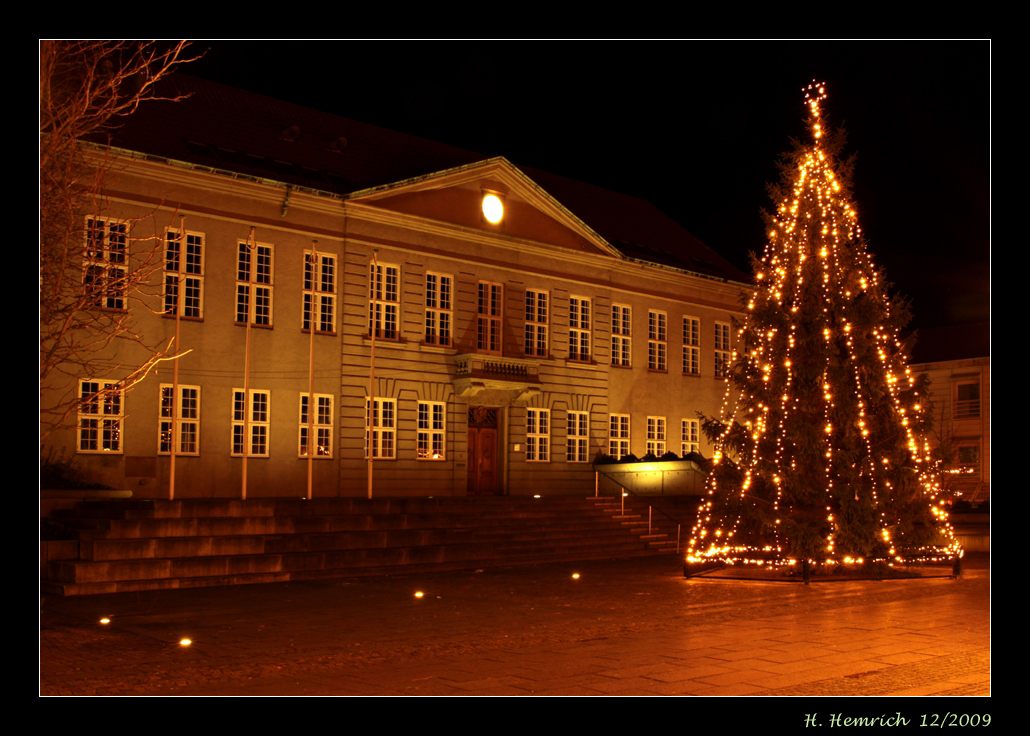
(624, 627)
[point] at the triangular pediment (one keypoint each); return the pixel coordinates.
(455, 197)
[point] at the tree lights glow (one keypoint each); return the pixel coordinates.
(819, 452)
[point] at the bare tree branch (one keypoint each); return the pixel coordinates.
(93, 267)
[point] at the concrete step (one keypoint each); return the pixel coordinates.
(50, 587)
(140, 545)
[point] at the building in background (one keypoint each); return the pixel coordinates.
(345, 291)
(958, 362)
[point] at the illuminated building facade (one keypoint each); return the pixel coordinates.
(346, 291)
(957, 360)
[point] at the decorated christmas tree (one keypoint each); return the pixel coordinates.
(821, 459)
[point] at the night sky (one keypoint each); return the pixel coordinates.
(695, 127)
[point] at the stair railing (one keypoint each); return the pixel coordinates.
(622, 505)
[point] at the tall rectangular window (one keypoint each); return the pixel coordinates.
(618, 435)
(439, 292)
(383, 426)
(105, 264)
(251, 422)
(538, 435)
(536, 323)
(254, 284)
(180, 420)
(579, 328)
(383, 301)
(319, 292)
(657, 341)
(691, 346)
(431, 430)
(689, 436)
(320, 425)
(621, 347)
(100, 416)
(722, 350)
(578, 437)
(184, 274)
(656, 436)
(490, 313)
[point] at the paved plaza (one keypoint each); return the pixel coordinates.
(623, 627)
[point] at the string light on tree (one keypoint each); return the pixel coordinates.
(820, 455)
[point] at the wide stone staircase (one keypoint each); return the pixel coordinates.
(129, 545)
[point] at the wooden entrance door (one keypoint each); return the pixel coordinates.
(482, 451)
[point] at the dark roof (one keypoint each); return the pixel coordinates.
(960, 342)
(245, 133)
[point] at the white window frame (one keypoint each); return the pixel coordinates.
(185, 270)
(618, 435)
(384, 300)
(105, 263)
(383, 428)
(186, 420)
(101, 414)
(722, 349)
(537, 343)
(439, 309)
(622, 325)
(489, 318)
(253, 412)
(656, 436)
(319, 289)
(431, 436)
(657, 340)
(578, 437)
(322, 425)
(579, 329)
(254, 273)
(538, 435)
(691, 346)
(690, 436)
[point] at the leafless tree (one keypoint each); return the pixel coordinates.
(92, 266)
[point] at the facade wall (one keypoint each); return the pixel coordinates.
(529, 400)
(961, 396)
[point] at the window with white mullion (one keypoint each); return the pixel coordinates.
(536, 343)
(319, 292)
(105, 268)
(180, 420)
(579, 328)
(657, 340)
(489, 318)
(722, 349)
(656, 436)
(251, 423)
(578, 437)
(431, 430)
(321, 423)
(618, 435)
(100, 416)
(383, 301)
(621, 346)
(691, 346)
(184, 274)
(254, 284)
(689, 436)
(538, 435)
(439, 293)
(383, 427)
